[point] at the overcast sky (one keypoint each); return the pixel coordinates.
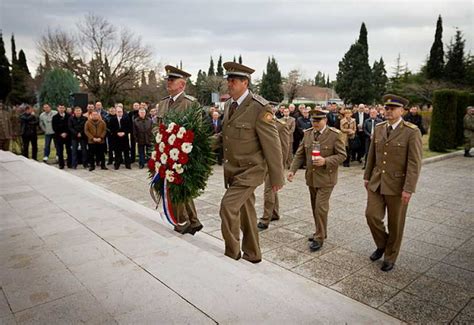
(305, 35)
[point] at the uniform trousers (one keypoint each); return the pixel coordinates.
(391, 241)
(238, 213)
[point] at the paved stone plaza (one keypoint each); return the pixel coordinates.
(61, 256)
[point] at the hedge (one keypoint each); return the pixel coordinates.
(443, 121)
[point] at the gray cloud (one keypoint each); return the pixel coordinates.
(308, 35)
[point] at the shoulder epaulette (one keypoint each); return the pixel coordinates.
(334, 129)
(308, 129)
(191, 98)
(260, 99)
(410, 125)
(166, 97)
(381, 123)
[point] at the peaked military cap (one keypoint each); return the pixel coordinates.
(394, 100)
(318, 113)
(234, 69)
(173, 72)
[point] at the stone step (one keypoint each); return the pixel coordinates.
(194, 268)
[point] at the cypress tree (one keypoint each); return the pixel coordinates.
(271, 86)
(379, 79)
(455, 70)
(22, 62)
(353, 81)
(220, 70)
(435, 66)
(363, 38)
(211, 68)
(240, 58)
(13, 46)
(5, 78)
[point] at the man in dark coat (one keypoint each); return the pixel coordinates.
(415, 118)
(62, 136)
(120, 128)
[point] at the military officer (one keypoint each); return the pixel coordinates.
(177, 100)
(321, 171)
(468, 123)
(251, 146)
(393, 168)
(270, 198)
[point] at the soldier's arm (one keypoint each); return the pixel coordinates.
(414, 160)
(270, 143)
(293, 126)
(339, 154)
(299, 158)
(370, 160)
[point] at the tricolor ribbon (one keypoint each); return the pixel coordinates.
(165, 197)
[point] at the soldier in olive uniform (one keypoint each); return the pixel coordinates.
(321, 172)
(468, 122)
(393, 167)
(251, 146)
(270, 198)
(177, 100)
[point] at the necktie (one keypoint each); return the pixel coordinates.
(316, 135)
(233, 108)
(389, 130)
(119, 123)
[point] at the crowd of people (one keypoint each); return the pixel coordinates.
(92, 138)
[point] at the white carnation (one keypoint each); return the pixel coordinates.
(169, 176)
(178, 168)
(174, 154)
(161, 147)
(171, 139)
(187, 147)
(158, 138)
(163, 158)
(170, 127)
(153, 155)
(181, 132)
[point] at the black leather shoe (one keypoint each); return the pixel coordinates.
(377, 254)
(262, 226)
(310, 238)
(387, 266)
(116, 167)
(194, 230)
(103, 168)
(315, 246)
(91, 168)
(184, 230)
(128, 167)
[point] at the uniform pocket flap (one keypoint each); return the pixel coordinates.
(243, 125)
(399, 174)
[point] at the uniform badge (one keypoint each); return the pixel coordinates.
(268, 117)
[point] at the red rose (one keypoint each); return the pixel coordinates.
(175, 129)
(165, 137)
(157, 147)
(177, 143)
(167, 149)
(151, 164)
(188, 136)
(183, 158)
(178, 179)
(170, 163)
(162, 171)
(162, 128)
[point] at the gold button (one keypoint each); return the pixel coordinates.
(226, 137)
(385, 153)
(386, 144)
(384, 162)
(314, 170)
(225, 149)
(383, 171)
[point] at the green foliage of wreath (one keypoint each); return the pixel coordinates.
(201, 158)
